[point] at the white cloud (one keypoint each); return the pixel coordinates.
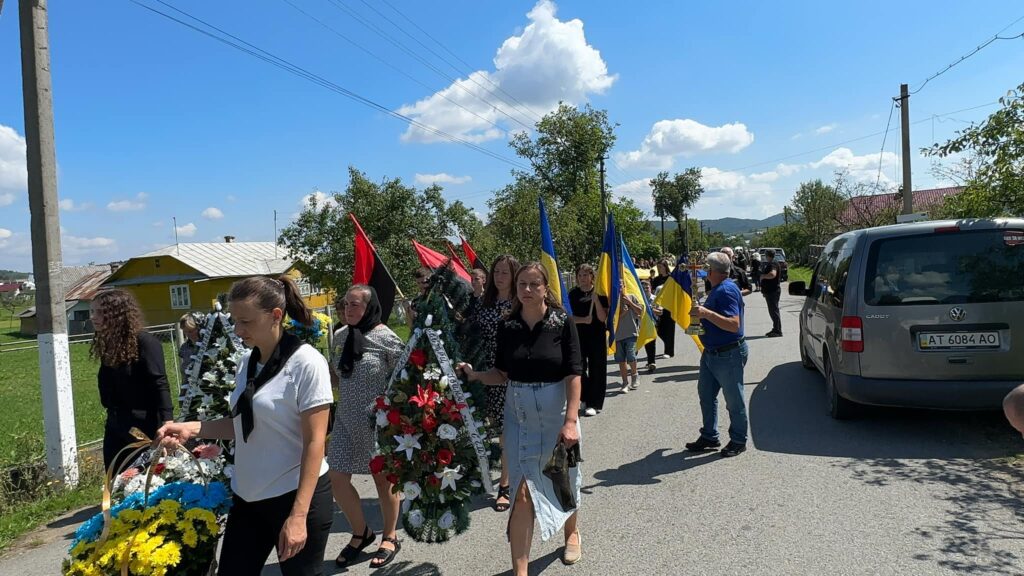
(5, 233)
(322, 199)
(231, 198)
(825, 129)
(685, 137)
(68, 205)
(13, 171)
(139, 203)
(548, 63)
(639, 191)
(442, 178)
(158, 224)
(75, 246)
(186, 231)
(6, 199)
(212, 213)
(862, 167)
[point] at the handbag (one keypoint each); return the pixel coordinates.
(557, 470)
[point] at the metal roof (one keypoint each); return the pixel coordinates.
(72, 275)
(87, 286)
(228, 259)
(924, 200)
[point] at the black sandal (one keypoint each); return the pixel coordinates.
(350, 552)
(503, 492)
(384, 555)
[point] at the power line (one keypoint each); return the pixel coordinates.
(256, 52)
(881, 152)
(972, 53)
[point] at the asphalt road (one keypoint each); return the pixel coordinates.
(893, 492)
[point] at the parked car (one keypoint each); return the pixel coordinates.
(919, 315)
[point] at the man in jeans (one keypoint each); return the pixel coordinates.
(721, 364)
(771, 275)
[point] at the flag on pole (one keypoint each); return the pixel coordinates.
(455, 255)
(471, 256)
(550, 262)
(433, 259)
(648, 323)
(676, 296)
(607, 281)
(369, 269)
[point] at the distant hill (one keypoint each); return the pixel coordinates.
(730, 226)
(11, 275)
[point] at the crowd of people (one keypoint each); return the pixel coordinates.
(543, 366)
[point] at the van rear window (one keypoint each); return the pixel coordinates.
(947, 268)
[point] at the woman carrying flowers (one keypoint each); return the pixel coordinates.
(132, 377)
(367, 352)
(495, 306)
(282, 495)
(538, 354)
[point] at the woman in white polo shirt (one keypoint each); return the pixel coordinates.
(280, 410)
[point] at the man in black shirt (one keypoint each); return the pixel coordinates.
(736, 274)
(771, 275)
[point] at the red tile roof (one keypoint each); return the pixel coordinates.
(10, 287)
(924, 200)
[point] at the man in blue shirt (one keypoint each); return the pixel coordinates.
(721, 364)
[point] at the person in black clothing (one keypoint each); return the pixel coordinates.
(590, 314)
(666, 324)
(132, 377)
(770, 277)
(736, 274)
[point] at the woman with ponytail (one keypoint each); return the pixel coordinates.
(280, 408)
(367, 352)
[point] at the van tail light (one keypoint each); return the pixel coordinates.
(947, 229)
(852, 334)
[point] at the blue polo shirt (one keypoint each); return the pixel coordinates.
(725, 299)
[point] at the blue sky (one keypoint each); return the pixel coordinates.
(155, 121)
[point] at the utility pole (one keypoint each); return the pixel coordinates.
(908, 191)
(686, 229)
(663, 232)
(604, 206)
(47, 264)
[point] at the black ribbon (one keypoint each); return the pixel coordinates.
(288, 345)
(355, 341)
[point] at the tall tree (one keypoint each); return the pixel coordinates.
(676, 195)
(817, 207)
(996, 188)
(320, 238)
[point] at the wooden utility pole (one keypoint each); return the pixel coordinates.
(908, 190)
(47, 264)
(604, 205)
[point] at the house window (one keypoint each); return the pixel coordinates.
(180, 297)
(80, 316)
(305, 289)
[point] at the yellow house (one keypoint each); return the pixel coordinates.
(191, 277)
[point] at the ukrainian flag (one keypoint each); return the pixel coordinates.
(676, 296)
(549, 262)
(607, 282)
(648, 330)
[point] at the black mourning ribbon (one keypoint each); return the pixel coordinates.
(288, 345)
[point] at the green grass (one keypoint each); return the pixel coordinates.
(799, 273)
(10, 326)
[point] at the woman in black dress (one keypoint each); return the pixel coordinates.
(132, 377)
(666, 325)
(590, 314)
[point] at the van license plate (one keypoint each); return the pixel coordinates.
(948, 340)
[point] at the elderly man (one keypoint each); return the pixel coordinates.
(723, 360)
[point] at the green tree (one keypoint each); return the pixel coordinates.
(790, 237)
(391, 213)
(817, 206)
(675, 196)
(996, 188)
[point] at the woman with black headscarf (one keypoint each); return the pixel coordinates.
(366, 352)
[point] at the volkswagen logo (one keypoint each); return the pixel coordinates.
(957, 314)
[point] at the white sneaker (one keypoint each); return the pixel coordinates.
(634, 383)
(590, 412)
(625, 388)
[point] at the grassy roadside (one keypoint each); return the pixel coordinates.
(799, 273)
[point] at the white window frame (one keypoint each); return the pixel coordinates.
(305, 288)
(181, 297)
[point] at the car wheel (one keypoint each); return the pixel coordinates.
(805, 360)
(838, 407)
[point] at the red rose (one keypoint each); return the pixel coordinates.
(159, 468)
(377, 464)
(409, 429)
(382, 403)
(444, 456)
(391, 478)
(433, 481)
(429, 424)
(418, 358)
(394, 417)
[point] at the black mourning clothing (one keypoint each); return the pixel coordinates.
(547, 352)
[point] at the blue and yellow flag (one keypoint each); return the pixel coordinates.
(607, 281)
(648, 323)
(676, 296)
(550, 262)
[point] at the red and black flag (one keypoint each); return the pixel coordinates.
(433, 259)
(471, 257)
(455, 255)
(369, 269)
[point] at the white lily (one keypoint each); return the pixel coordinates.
(448, 478)
(408, 442)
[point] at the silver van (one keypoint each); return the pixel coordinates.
(919, 315)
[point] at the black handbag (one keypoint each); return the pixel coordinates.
(557, 470)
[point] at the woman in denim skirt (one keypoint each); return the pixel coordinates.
(538, 354)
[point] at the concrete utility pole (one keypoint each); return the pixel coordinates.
(908, 191)
(604, 206)
(663, 232)
(47, 264)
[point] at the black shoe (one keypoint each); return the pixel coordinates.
(703, 444)
(773, 334)
(733, 449)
